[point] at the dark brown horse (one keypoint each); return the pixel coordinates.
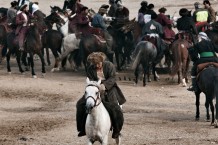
(208, 84)
(181, 60)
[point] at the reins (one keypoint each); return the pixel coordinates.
(98, 97)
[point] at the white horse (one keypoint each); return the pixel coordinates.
(69, 44)
(98, 121)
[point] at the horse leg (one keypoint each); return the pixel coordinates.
(212, 110)
(156, 77)
(32, 65)
(197, 103)
(148, 74)
(63, 63)
(24, 60)
(118, 140)
(207, 109)
(1, 51)
(144, 75)
(56, 65)
(43, 63)
(105, 140)
(136, 75)
(8, 56)
(18, 53)
(48, 57)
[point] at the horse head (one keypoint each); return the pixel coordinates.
(92, 94)
(54, 18)
(129, 26)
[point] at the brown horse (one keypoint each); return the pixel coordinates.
(181, 60)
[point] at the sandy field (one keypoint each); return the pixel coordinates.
(42, 111)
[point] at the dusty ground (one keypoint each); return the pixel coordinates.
(42, 111)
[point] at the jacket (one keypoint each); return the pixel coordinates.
(113, 92)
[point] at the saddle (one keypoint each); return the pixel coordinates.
(203, 66)
(150, 38)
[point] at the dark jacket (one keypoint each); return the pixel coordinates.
(201, 48)
(98, 21)
(112, 10)
(11, 15)
(122, 16)
(158, 29)
(113, 92)
(186, 24)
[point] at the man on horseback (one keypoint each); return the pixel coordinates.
(110, 93)
(22, 28)
(200, 17)
(113, 8)
(186, 26)
(11, 14)
(86, 29)
(142, 11)
(153, 29)
(207, 51)
(212, 13)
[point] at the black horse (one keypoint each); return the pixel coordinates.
(208, 84)
(89, 44)
(145, 55)
(52, 38)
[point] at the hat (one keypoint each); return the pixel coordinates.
(196, 3)
(183, 12)
(162, 10)
(144, 3)
(84, 8)
(23, 7)
(14, 3)
(104, 6)
(102, 10)
(96, 57)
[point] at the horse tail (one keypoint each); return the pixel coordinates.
(177, 57)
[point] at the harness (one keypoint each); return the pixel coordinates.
(98, 97)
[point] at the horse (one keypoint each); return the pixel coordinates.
(208, 84)
(98, 121)
(33, 46)
(52, 38)
(180, 60)
(145, 54)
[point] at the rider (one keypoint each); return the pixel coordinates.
(166, 23)
(11, 14)
(207, 51)
(200, 17)
(86, 29)
(113, 8)
(153, 28)
(39, 16)
(212, 13)
(142, 11)
(99, 22)
(186, 25)
(111, 94)
(22, 28)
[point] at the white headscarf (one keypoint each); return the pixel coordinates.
(147, 18)
(35, 7)
(203, 35)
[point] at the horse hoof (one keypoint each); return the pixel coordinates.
(52, 70)
(135, 84)
(9, 73)
(23, 73)
(34, 76)
(149, 80)
(197, 119)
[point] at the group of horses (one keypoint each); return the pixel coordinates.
(67, 45)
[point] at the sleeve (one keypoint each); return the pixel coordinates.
(102, 23)
(111, 76)
(19, 21)
(83, 20)
(193, 27)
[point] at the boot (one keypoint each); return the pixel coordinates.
(193, 87)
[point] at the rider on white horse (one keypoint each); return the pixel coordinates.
(110, 93)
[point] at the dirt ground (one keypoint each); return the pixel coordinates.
(42, 111)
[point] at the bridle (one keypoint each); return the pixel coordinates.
(98, 97)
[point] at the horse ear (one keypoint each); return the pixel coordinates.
(87, 80)
(99, 82)
(51, 7)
